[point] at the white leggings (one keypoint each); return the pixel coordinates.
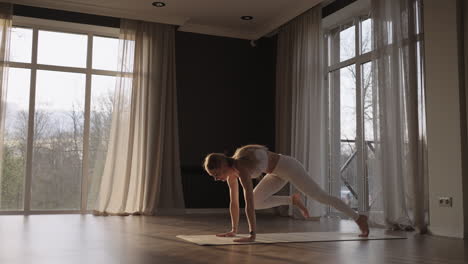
(289, 169)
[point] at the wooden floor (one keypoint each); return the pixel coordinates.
(142, 239)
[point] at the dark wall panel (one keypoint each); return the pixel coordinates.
(226, 99)
(67, 16)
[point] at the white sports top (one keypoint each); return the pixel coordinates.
(261, 155)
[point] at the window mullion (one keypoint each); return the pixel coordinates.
(342, 64)
(87, 115)
(362, 191)
(328, 111)
(31, 115)
(60, 68)
(334, 93)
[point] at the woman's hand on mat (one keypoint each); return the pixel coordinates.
(245, 239)
(228, 234)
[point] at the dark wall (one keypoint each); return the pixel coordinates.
(60, 15)
(226, 99)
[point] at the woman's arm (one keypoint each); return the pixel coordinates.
(234, 203)
(246, 182)
(233, 206)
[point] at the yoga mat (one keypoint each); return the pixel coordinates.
(212, 240)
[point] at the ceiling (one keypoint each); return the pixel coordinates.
(212, 17)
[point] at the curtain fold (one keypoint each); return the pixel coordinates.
(300, 98)
(399, 115)
(142, 169)
(6, 15)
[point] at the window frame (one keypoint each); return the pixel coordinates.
(37, 24)
(355, 14)
(334, 184)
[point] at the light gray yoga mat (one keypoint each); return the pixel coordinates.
(212, 240)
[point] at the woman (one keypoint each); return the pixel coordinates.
(250, 162)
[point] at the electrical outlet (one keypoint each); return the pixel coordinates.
(445, 201)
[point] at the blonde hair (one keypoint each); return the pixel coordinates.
(243, 154)
(214, 161)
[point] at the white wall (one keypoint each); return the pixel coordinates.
(443, 116)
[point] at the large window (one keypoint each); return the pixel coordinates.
(353, 102)
(351, 122)
(59, 105)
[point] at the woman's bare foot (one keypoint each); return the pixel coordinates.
(363, 225)
(297, 201)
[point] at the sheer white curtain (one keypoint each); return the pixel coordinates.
(6, 15)
(399, 195)
(300, 98)
(142, 171)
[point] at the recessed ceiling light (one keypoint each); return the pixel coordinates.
(246, 17)
(158, 4)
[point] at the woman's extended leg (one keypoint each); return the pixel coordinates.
(264, 195)
(292, 170)
(263, 192)
(307, 185)
(304, 182)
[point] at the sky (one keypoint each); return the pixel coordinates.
(58, 91)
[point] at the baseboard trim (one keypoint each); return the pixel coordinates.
(444, 232)
(224, 211)
(207, 211)
(158, 212)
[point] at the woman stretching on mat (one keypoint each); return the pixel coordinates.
(252, 160)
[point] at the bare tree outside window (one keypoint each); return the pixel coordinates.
(14, 140)
(101, 117)
(344, 82)
(59, 120)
